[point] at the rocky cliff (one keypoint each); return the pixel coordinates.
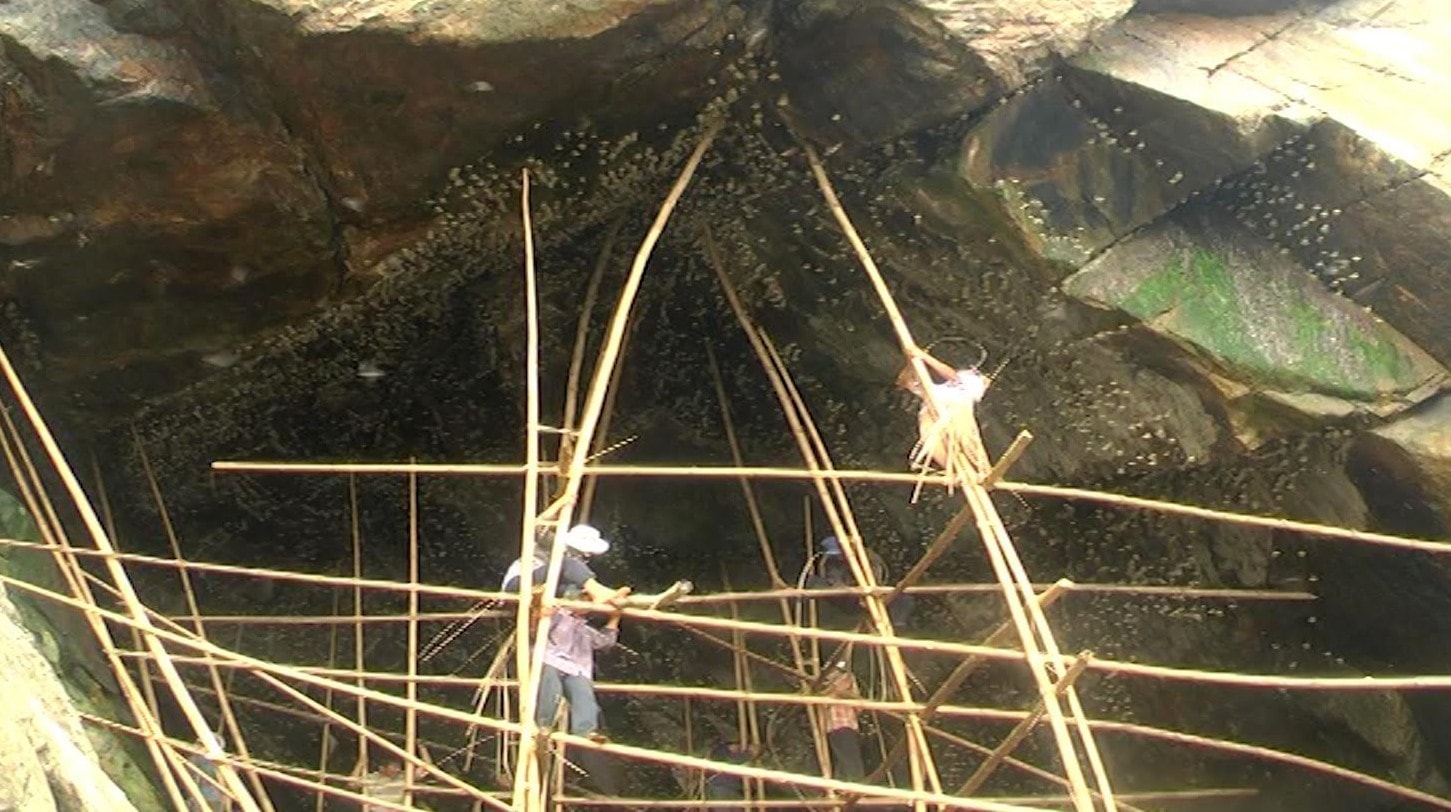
(1206, 237)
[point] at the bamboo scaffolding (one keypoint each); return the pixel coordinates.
(1032, 627)
(951, 711)
(123, 581)
(838, 511)
(1010, 716)
(266, 670)
(169, 765)
(527, 785)
(269, 673)
(758, 524)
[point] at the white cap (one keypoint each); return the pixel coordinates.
(585, 539)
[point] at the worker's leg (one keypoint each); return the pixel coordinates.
(549, 692)
(584, 711)
(846, 754)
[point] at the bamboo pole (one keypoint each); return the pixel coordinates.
(1215, 794)
(229, 719)
(527, 786)
(359, 650)
(325, 746)
(528, 782)
(581, 339)
(410, 717)
(1015, 450)
(838, 510)
(1440, 547)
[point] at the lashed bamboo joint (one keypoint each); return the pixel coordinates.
(400, 713)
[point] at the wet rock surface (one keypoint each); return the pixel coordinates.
(1206, 244)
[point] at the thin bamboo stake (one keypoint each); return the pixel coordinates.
(528, 783)
(1020, 731)
(356, 537)
(229, 719)
(325, 747)
(591, 483)
(526, 792)
(410, 717)
(758, 523)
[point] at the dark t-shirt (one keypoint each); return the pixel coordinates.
(572, 572)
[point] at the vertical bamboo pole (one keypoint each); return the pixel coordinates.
(528, 782)
(325, 746)
(359, 650)
(410, 718)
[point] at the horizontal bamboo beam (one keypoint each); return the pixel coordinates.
(881, 477)
(1168, 796)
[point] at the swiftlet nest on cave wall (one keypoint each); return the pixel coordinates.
(1209, 249)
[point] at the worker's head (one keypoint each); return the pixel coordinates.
(584, 540)
(836, 676)
(907, 379)
(830, 546)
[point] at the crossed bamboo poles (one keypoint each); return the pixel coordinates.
(156, 636)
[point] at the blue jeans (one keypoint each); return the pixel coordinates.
(584, 711)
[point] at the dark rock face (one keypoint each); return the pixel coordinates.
(1207, 248)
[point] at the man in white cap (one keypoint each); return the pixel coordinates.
(581, 542)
